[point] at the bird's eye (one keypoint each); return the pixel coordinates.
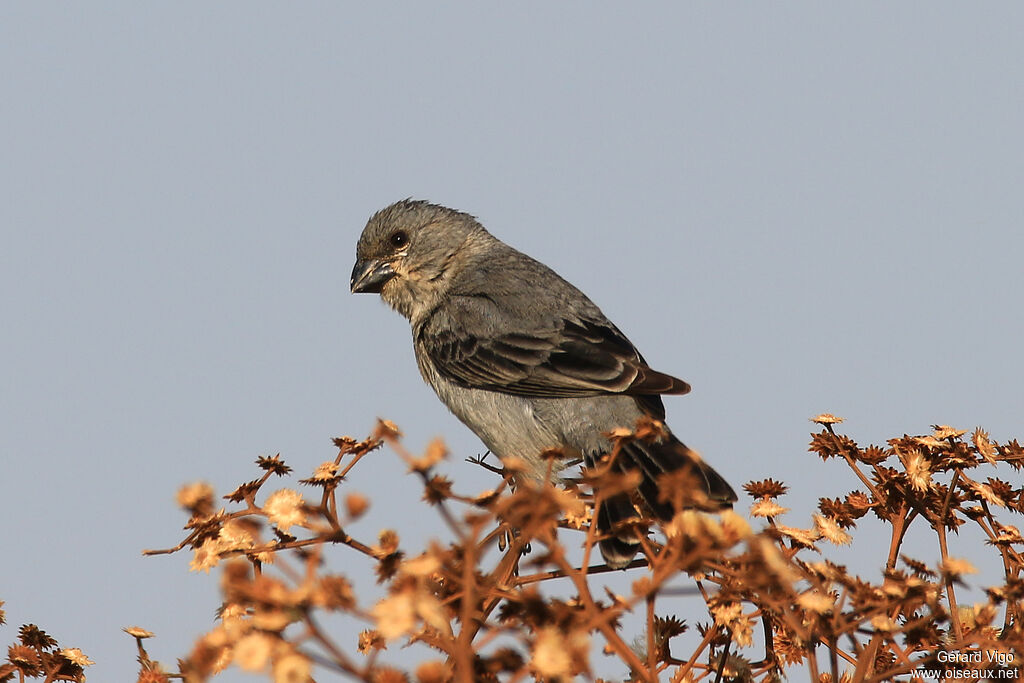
(398, 239)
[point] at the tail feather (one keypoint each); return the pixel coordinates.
(674, 478)
(618, 547)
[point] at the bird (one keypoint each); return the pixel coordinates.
(528, 362)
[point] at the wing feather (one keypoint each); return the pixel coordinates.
(472, 344)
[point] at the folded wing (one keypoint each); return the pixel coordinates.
(473, 344)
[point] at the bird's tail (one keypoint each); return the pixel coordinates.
(673, 477)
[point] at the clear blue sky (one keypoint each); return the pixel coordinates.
(797, 208)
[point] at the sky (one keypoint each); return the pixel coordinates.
(798, 208)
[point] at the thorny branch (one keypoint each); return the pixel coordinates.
(487, 621)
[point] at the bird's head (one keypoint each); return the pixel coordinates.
(408, 251)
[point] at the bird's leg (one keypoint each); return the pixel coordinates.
(479, 460)
(509, 536)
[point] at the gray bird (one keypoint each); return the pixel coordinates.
(525, 359)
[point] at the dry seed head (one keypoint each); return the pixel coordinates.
(569, 503)
(694, 524)
(325, 471)
(435, 453)
(420, 566)
(918, 472)
(1007, 535)
(831, 531)
(137, 632)
(736, 528)
(197, 498)
(206, 556)
(370, 640)
(766, 507)
(284, 509)
(816, 602)
(271, 618)
(956, 566)
(985, 492)
(237, 534)
(947, 432)
(766, 488)
(356, 505)
(804, 537)
(433, 671)
(74, 655)
(293, 668)
(930, 442)
(557, 654)
(234, 619)
(387, 543)
(884, 624)
(395, 615)
(252, 652)
(386, 429)
(432, 612)
(737, 667)
(984, 446)
(730, 616)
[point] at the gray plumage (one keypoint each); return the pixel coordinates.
(523, 358)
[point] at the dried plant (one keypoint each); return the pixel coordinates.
(772, 603)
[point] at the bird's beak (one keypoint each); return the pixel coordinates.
(369, 275)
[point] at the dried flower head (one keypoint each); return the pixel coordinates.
(137, 632)
(435, 453)
(831, 531)
(75, 656)
(395, 615)
(274, 464)
(356, 505)
(957, 566)
(206, 556)
(238, 534)
(387, 543)
(947, 432)
(884, 623)
(918, 471)
(252, 652)
(325, 475)
(25, 659)
(766, 507)
(1006, 535)
(984, 446)
(433, 671)
(370, 640)
(766, 488)
(557, 654)
(284, 509)
(801, 537)
(33, 636)
(420, 566)
(814, 601)
(197, 498)
(930, 442)
(730, 616)
(293, 668)
(734, 527)
(386, 429)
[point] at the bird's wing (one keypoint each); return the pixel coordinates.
(473, 343)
